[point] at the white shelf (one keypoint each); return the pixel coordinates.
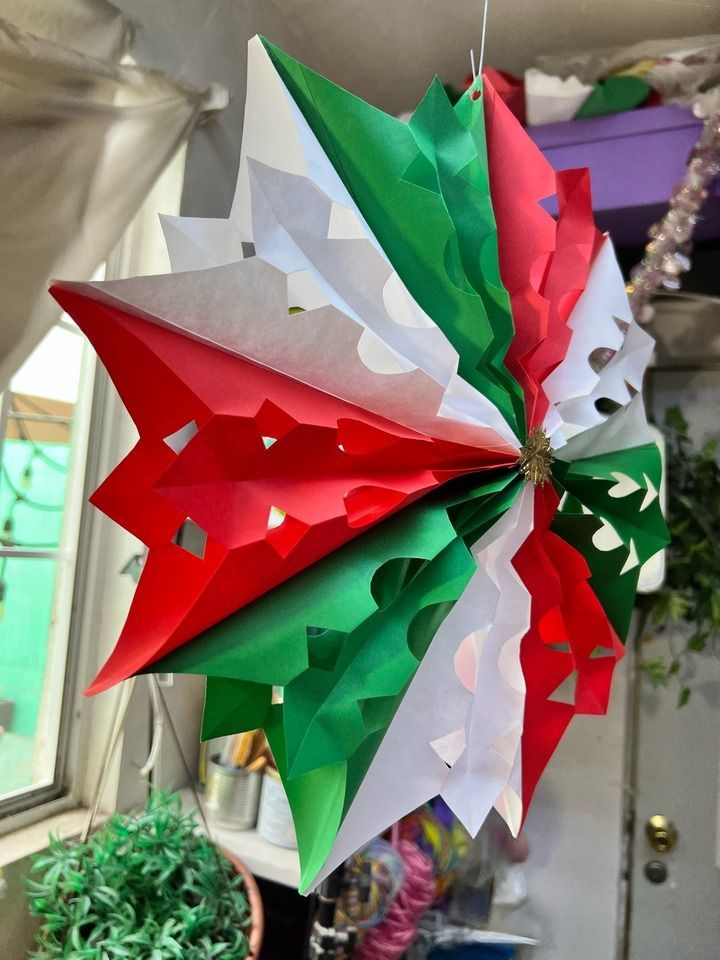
(262, 859)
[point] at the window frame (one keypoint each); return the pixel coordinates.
(85, 723)
(12, 806)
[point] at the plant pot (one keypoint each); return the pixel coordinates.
(257, 930)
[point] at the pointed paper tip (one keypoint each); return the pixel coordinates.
(98, 685)
(58, 290)
(69, 294)
(115, 670)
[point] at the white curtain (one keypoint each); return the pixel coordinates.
(82, 140)
(93, 27)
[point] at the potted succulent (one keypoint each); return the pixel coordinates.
(146, 886)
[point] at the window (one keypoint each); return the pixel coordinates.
(63, 597)
(44, 418)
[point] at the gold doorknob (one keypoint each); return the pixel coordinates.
(661, 833)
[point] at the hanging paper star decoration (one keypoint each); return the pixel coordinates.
(400, 405)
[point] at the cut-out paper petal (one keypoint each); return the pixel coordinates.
(340, 395)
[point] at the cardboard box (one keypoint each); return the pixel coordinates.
(635, 160)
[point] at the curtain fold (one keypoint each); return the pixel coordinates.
(82, 140)
(96, 28)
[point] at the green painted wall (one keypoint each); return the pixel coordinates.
(29, 584)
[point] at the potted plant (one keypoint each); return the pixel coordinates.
(146, 886)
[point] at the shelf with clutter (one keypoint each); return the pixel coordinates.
(244, 808)
(635, 160)
(632, 115)
(264, 859)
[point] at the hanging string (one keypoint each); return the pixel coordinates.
(116, 729)
(477, 73)
(191, 780)
(482, 37)
(25, 433)
(20, 494)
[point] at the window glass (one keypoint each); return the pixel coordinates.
(43, 421)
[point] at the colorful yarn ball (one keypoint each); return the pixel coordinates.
(395, 934)
(442, 837)
(387, 872)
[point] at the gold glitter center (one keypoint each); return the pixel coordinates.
(536, 457)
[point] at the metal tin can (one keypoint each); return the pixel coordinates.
(232, 795)
(275, 822)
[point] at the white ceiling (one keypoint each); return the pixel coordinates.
(386, 51)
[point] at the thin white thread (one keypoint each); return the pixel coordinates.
(477, 73)
(482, 39)
(122, 703)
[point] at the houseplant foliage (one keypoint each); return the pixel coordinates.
(147, 886)
(691, 594)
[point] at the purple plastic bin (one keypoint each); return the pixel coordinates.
(635, 160)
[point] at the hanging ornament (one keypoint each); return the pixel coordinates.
(418, 505)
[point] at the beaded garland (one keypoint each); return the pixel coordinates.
(667, 255)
